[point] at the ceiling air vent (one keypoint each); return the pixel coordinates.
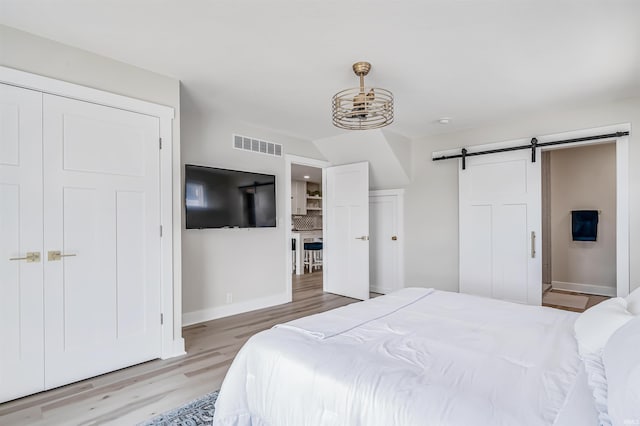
(246, 143)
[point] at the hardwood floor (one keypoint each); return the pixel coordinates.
(134, 394)
(593, 300)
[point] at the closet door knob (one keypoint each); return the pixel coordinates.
(54, 255)
(31, 257)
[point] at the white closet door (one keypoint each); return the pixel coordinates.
(21, 322)
(101, 185)
(500, 224)
(384, 264)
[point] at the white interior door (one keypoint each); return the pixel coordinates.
(346, 240)
(384, 265)
(21, 302)
(500, 227)
(101, 185)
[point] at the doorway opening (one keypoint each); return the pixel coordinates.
(579, 225)
(344, 203)
(304, 190)
(306, 225)
(503, 188)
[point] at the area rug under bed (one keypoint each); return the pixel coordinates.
(195, 413)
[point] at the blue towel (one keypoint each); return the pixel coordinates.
(584, 225)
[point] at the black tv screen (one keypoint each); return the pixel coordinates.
(221, 198)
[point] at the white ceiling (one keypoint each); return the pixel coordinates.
(277, 63)
(298, 172)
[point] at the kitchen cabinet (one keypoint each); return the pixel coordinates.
(298, 197)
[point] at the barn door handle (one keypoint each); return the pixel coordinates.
(533, 244)
(363, 238)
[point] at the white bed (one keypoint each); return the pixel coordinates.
(414, 357)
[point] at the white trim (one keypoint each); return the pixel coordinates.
(176, 350)
(381, 192)
(622, 217)
(190, 318)
(326, 267)
(399, 193)
(171, 290)
(622, 184)
(600, 290)
(83, 93)
(304, 161)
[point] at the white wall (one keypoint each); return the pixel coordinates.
(30, 53)
(248, 263)
(431, 200)
(388, 154)
(583, 178)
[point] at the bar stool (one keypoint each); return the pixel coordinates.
(312, 255)
(293, 255)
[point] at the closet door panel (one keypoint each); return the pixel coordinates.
(130, 242)
(88, 310)
(102, 202)
(21, 301)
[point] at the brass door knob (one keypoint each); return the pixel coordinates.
(54, 255)
(394, 238)
(31, 257)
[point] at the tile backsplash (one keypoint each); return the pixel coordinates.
(307, 222)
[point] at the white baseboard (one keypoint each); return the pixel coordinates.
(190, 318)
(379, 290)
(600, 290)
(176, 349)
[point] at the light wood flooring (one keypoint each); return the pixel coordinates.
(137, 393)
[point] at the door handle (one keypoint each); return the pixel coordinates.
(31, 257)
(363, 238)
(533, 244)
(54, 255)
(394, 238)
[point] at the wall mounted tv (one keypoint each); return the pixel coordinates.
(221, 198)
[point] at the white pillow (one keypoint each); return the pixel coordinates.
(622, 367)
(633, 302)
(595, 325)
(593, 328)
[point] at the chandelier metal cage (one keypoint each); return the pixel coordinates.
(362, 108)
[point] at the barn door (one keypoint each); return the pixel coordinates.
(500, 227)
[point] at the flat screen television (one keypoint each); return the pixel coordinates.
(221, 198)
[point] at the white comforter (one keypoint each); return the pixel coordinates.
(414, 357)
